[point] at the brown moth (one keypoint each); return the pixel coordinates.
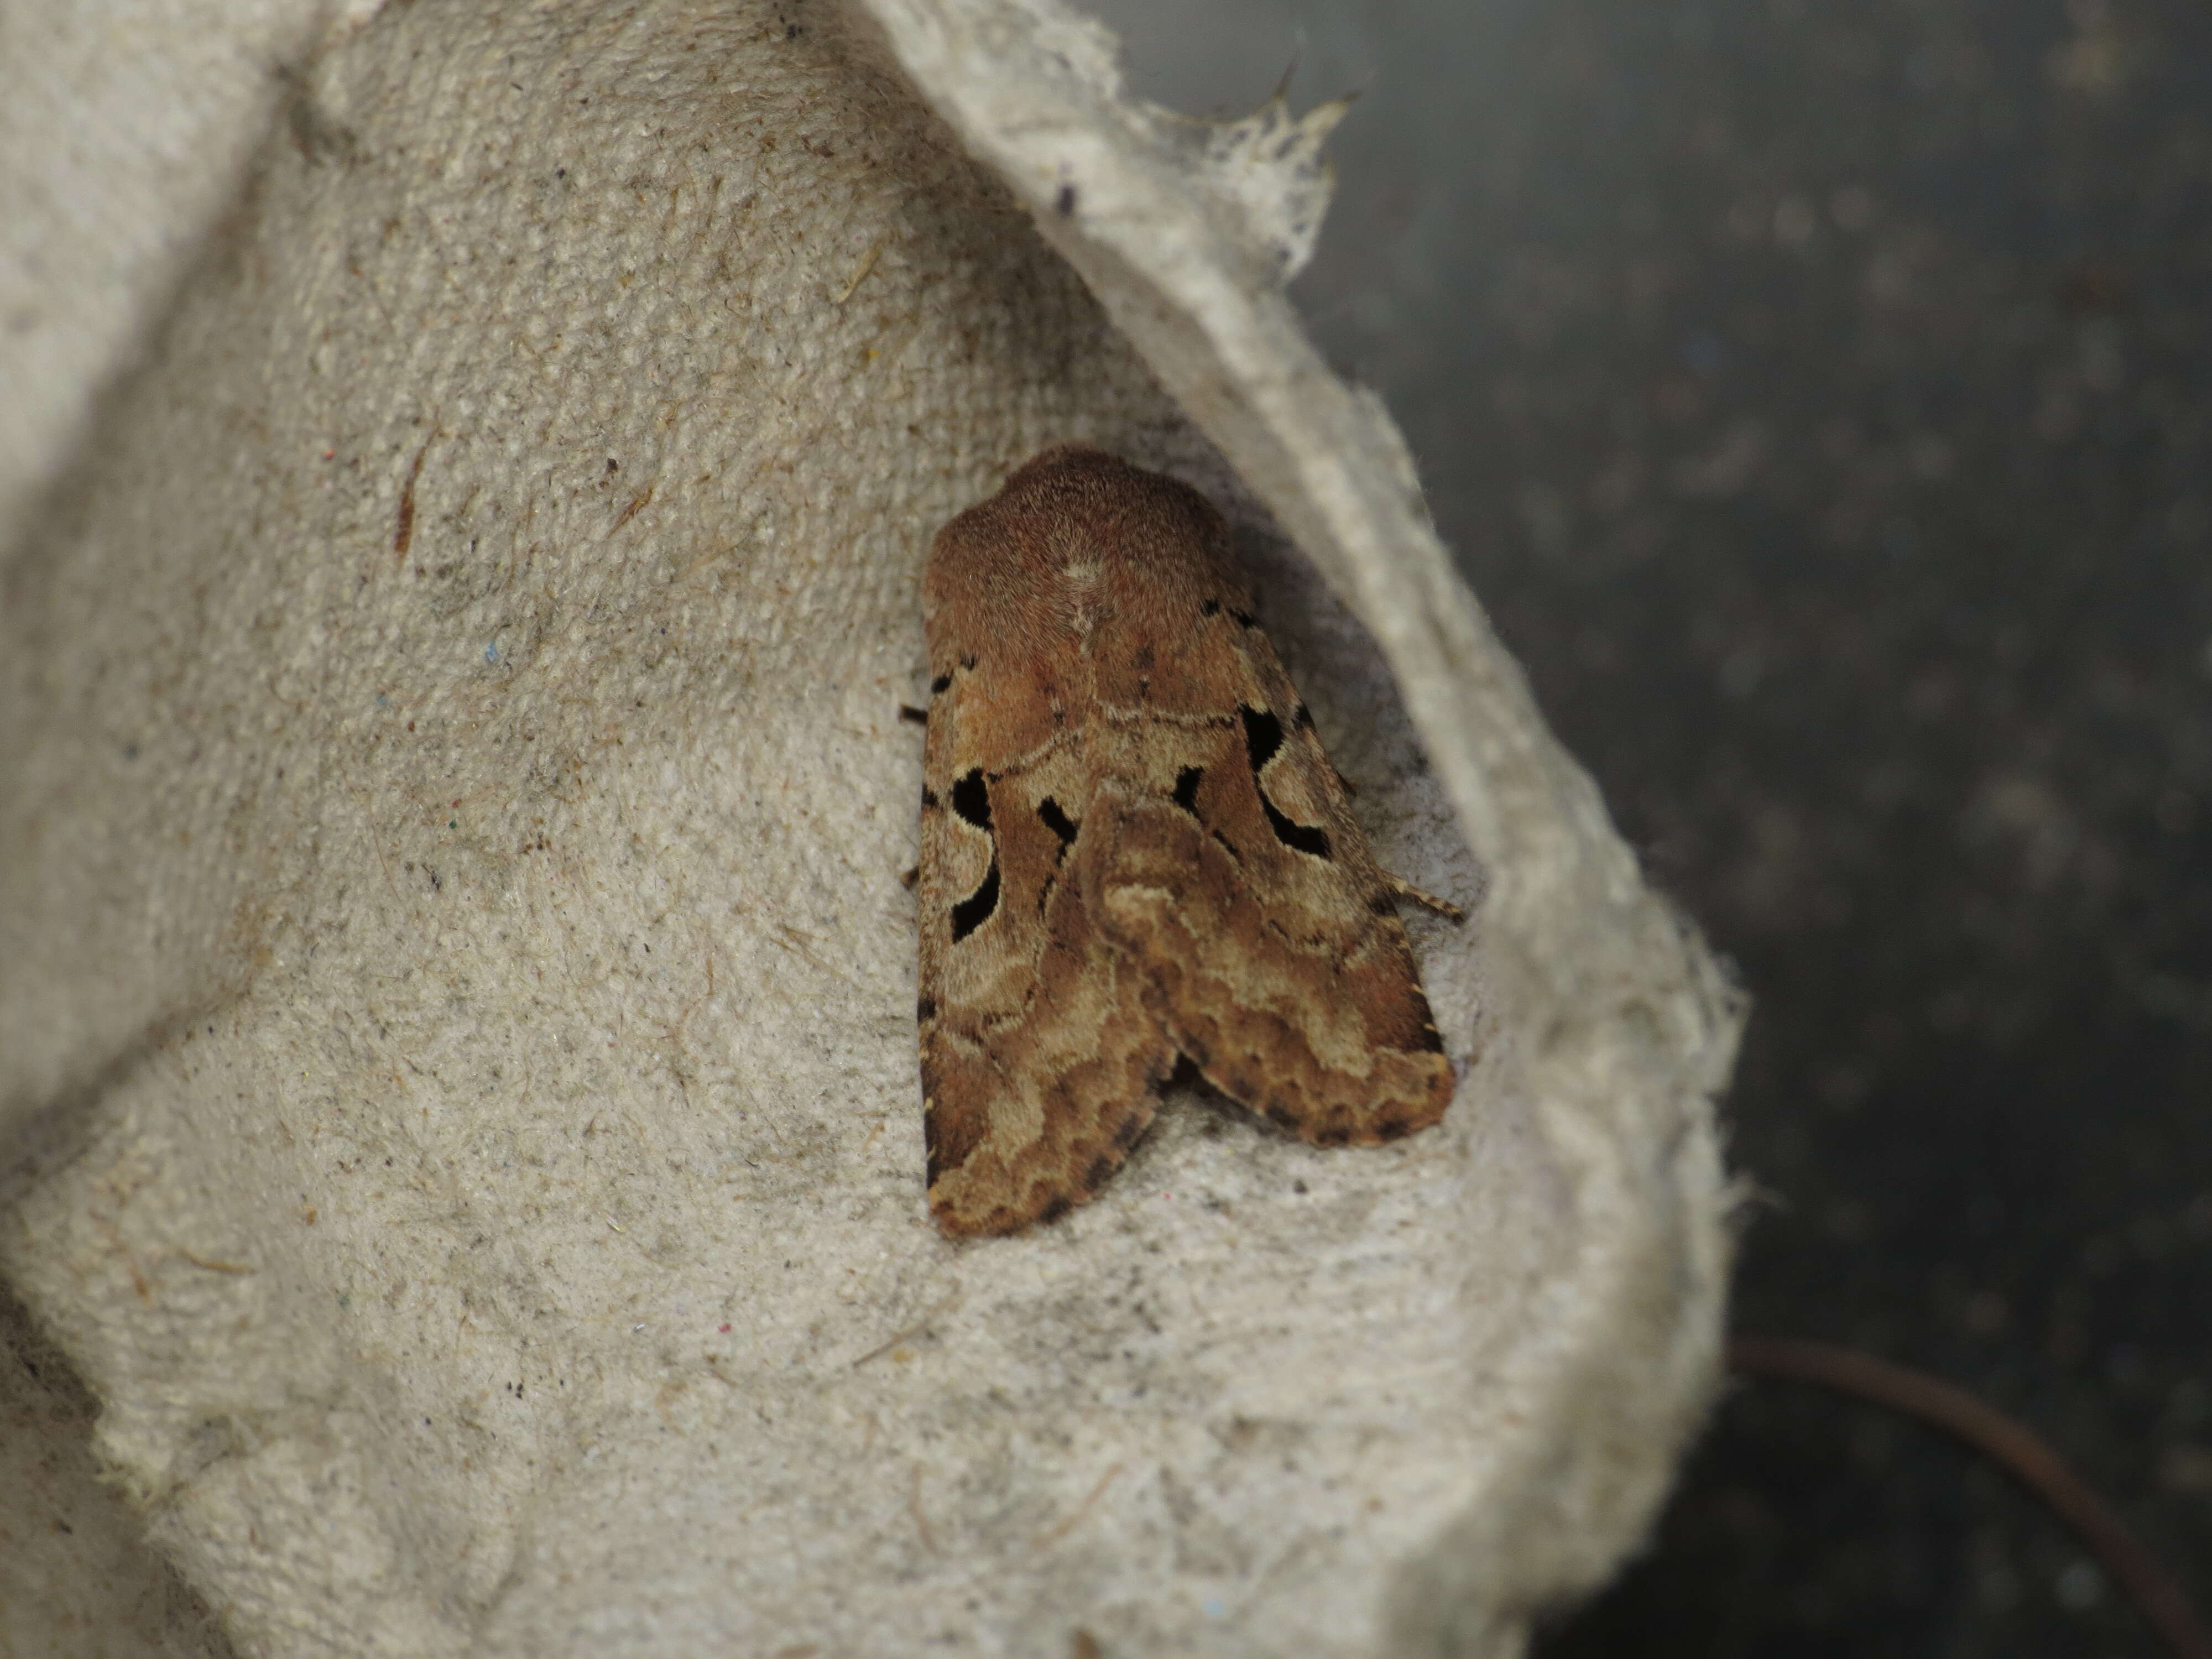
(1134, 847)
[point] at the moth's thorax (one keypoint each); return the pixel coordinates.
(1076, 540)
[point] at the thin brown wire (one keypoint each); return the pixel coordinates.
(2018, 1451)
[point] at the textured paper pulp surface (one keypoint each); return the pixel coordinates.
(456, 1035)
(124, 127)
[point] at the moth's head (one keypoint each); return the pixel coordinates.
(1073, 534)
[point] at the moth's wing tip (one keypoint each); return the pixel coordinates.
(956, 1214)
(956, 1219)
(1423, 1111)
(1426, 1103)
(1416, 1101)
(956, 1223)
(1047, 1196)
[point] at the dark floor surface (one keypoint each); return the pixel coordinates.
(1820, 398)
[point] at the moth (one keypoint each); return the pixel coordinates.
(1132, 848)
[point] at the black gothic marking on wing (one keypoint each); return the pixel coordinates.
(972, 801)
(974, 910)
(1058, 822)
(1263, 736)
(1063, 828)
(1185, 789)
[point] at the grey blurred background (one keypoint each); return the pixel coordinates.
(1817, 396)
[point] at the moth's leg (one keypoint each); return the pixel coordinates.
(1406, 890)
